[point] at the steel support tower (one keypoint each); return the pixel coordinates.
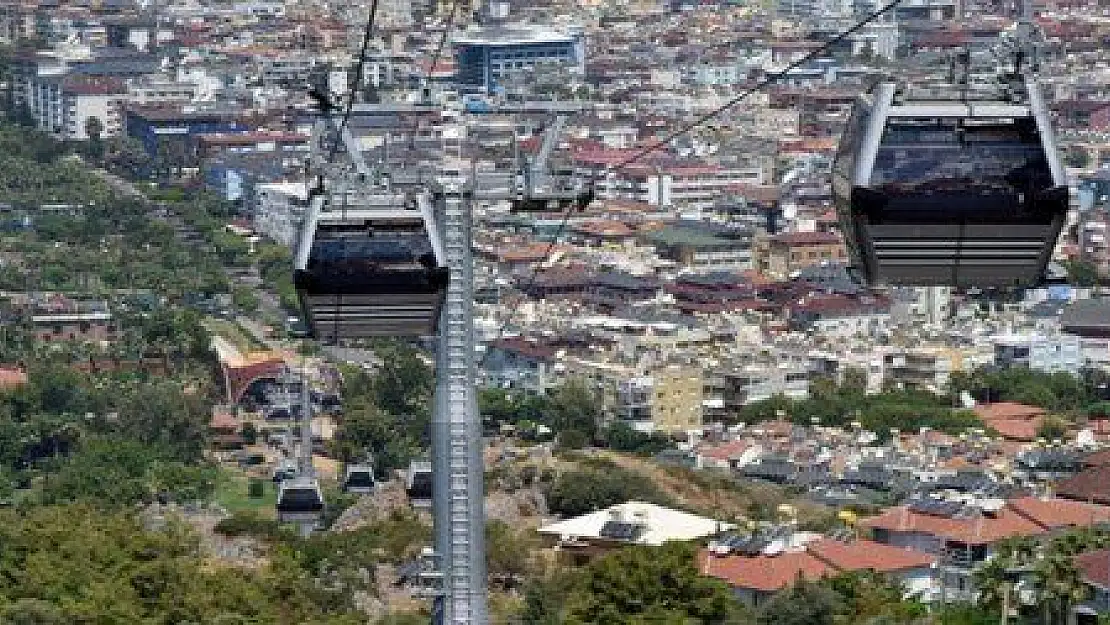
(457, 462)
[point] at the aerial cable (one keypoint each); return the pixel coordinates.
(443, 39)
(690, 126)
(355, 81)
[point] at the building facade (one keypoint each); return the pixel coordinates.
(669, 400)
(488, 57)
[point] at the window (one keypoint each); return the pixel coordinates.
(995, 164)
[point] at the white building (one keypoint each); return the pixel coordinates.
(279, 210)
(63, 105)
(633, 522)
(1061, 353)
(759, 382)
(161, 91)
(697, 186)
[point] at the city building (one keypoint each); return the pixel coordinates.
(520, 364)
(963, 536)
(171, 131)
(633, 522)
(669, 400)
(782, 254)
(927, 369)
(487, 57)
(754, 383)
(755, 578)
(702, 249)
(1050, 354)
(279, 210)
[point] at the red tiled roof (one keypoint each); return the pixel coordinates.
(526, 348)
(1014, 429)
(223, 420)
(1092, 484)
(1011, 420)
(93, 85)
(724, 451)
(763, 573)
(604, 228)
(1058, 513)
(531, 253)
(1094, 567)
(868, 555)
(12, 377)
(1007, 410)
(974, 531)
(1099, 458)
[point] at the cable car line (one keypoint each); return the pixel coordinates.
(767, 81)
(443, 39)
(355, 81)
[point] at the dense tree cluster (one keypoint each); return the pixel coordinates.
(635, 585)
(387, 413)
(599, 486)
(113, 440)
(72, 564)
(839, 406)
(573, 411)
(909, 410)
(1056, 392)
(93, 241)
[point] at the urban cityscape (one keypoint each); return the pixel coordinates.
(736, 312)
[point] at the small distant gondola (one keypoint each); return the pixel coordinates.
(950, 187)
(371, 272)
(359, 479)
(300, 500)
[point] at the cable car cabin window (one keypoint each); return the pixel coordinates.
(973, 171)
(399, 257)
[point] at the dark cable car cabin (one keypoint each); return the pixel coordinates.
(418, 482)
(370, 272)
(950, 191)
(359, 478)
(299, 500)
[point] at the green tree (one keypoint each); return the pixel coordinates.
(1082, 273)
(403, 384)
(804, 603)
(638, 585)
(575, 406)
(94, 129)
(367, 430)
(509, 553)
(1052, 428)
(1059, 586)
(578, 492)
(622, 437)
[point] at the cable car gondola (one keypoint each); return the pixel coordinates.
(950, 186)
(359, 478)
(371, 272)
(300, 500)
(418, 482)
